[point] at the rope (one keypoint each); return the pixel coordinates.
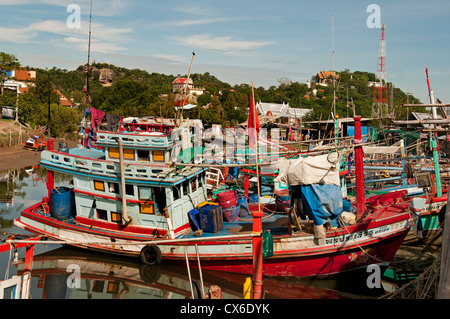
(106, 243)
(361, 248)
(431, 273)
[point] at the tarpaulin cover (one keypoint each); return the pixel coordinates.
(323, 203)
(310, 170)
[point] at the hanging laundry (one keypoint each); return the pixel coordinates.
(96, 118)
(112, 122)
(87, 112)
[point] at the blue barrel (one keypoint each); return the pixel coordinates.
(63, 147)
(61, 203)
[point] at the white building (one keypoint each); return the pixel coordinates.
(179, 84)
(281, 111)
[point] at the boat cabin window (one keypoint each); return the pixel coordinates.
(116, 217)
(146, 204)
(99, 185)
(176, 192)
(129, 189)
(194, 184)
(127, 153)
(152, 200)
(113, 187)
(160, 198)
(112, 287)
(158, 156)
(143, 155)
(102, 214)
(200, 180)
(185, 188)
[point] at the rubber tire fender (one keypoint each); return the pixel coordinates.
(151, 255)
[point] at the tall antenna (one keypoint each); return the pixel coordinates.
(380, 95)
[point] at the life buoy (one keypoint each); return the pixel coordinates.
(151, 255)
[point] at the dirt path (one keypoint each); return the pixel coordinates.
(18, 157)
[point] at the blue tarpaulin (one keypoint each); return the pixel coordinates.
(323, 203)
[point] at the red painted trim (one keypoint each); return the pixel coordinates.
(103, 228)
(124, 231)
(135, 201)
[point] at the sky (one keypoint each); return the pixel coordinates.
(239, 42)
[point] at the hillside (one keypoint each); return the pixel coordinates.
(135, 92)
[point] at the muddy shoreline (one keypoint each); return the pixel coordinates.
(19, 157)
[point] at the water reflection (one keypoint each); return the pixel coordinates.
(70, 273)
(99, 276)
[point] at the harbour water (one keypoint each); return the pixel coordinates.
(67, 273)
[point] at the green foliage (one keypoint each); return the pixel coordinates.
(8, 62)
(137, 92)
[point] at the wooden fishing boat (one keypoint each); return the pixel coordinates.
(420, 183)
(131, 199)
(37, 142)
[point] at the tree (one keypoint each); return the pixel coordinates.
(8, 62)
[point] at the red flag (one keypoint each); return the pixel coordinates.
(253, 123)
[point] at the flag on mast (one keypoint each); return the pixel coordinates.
(87, 90)
(253, 122)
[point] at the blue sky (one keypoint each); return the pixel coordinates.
(238, 41)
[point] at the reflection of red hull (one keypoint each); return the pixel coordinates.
(326, 263)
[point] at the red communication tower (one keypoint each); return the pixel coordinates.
(380, 97)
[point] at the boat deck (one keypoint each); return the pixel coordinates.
(278, 224)
(84, 152)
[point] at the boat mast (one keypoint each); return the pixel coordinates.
(336, 126)
(433, 142)
(185, 87)
(359, 169)
(257, 241)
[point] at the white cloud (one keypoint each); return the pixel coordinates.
(225, 44)
(191, 22)
(105, 39)
(105, 8)
(170, 58)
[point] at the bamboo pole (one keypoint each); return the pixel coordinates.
(426, 105)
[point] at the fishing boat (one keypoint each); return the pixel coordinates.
(36, 142)
(131, 198)
(422, 183)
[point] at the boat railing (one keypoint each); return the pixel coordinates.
(146, 139)
(102, 167)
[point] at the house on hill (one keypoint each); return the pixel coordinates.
(325, 78)
(63, 100)
(287, 114)
(24, 75)
(179, 83)
(19, 80)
